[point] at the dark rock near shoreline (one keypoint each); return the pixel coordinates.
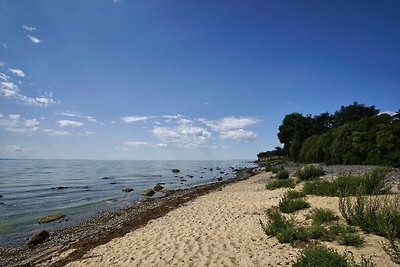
(219, 179)
(211, 169)
(148, 192)
(183, 180)
(105, 178)
(1, 196)
(175, 170)
(38, 238)
(51, 217)
(158, 187)
(127, 189)
(60, 187)
(221, 172)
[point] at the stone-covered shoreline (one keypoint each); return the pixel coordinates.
(73, 242)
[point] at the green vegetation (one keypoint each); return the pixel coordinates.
(392, 248)
(291, 202)
(287, 230)
(351, 239)
(310, 172)
(374, 214)
(273, 169)
(372, 183)
(321, 256)
(282, 174)
(276, 183)
(321, 215)
(355, 134)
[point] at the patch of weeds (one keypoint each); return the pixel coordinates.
(321, 215)
(319, 188)
(274, 184)
(282, 174)
(351, 239)
(373, 214)
(287, 204)
(318, 255)
(279, 226)
(392, 247)
(292, 194)
(310, 172)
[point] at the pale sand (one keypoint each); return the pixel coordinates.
(218, 229)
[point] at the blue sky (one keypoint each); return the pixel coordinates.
(184, 79)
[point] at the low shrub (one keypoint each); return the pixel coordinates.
(273, 169)
(287, 230)
(279, 183)
(351, 239)
(372, 183)
(292, 194)
(282, 174)
(321, 215)
(310, 172)
(288, 204)
(373, 214)
(318, 255)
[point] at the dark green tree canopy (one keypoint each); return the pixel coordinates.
(353, 112)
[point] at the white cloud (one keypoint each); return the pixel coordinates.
(229, 123)
(34, 39)
(68, 123)
(4, 77)
(75, 114)
(28, 28)
(17, 72)
(240, 135)
(389, 112)
(130, 119)
(136, 143)
(161, 145)
(15, 123)
(11, 90)
(2, 63)
(184, 134)
(14, 148)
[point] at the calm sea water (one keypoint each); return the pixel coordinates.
(31, 189)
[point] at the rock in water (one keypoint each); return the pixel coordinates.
(38, 238)
(127, 189)
(158, 187)
(219, 179)
(148, 192)
(51, 217)
(175, 170)
(1, 196)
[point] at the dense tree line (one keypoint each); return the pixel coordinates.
(355, 134)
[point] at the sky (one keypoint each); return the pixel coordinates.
(184, 80)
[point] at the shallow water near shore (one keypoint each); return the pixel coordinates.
(81, 188)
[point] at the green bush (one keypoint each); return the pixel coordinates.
(373, 214)
(351, 239)
(373, 182)
(288, 205)
(321, 256)
(321, 215)
(280, 227)
(282, 174)
(310, 172)
(276, 183)
(273, 169)
(292, 194)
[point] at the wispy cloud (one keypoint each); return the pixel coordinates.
(10, 90)
(229, 123)
(17, 72)
(239, 135)
(74, 114)
(4, 77)
(68, 123)
(2, 63)
(389, 112)
(131, 144)
(130, 119)
(28, 28)
(56, 132)
(34, 39)
(15, 123)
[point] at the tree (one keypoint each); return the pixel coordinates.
(353, 112)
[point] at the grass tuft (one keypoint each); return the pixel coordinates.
(274, 184)
(290, 202)
(310, 172)
(351, 239)
(321, 215)
(282, 174)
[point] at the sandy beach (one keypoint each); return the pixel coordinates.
(219, 229)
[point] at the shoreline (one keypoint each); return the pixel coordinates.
(106, 226)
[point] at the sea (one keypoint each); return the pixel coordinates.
(80, 189)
